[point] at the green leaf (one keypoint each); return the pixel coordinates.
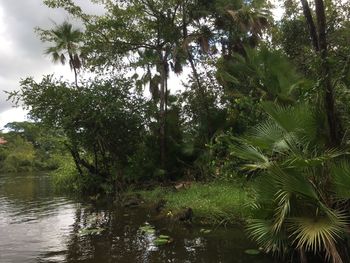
(161, 241)
(147, 229)
(91, 231)
(164, 237)
(252, 251)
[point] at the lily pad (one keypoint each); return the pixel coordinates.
(147, 229)
(161, 241)
(164, 237)
(205, 231)
(252, 251)
(91, 231)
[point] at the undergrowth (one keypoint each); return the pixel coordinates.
(215, 203)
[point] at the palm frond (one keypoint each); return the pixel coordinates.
(66, 41)
(313, 159)
(263, 233)
(318, 234)
(293, 182)
(298, 119)
(257, 160)
(63, 59)
(340, 173)
(265, 190)
(265, 135)
(282, 210)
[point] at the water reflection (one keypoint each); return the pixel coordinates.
(38, 226)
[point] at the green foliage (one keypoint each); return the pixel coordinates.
(259, 104)
(18, 156)
(301, 180)
(216, 202)
(30, 146)
(66, 177)
(289, 154)
(102, 124)
(265, 74)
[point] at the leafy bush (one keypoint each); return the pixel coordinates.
(19, 156)
(66, 177)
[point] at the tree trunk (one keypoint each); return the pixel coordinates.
(319, 41)
(76, 158)
(311, 24)
(75, 76)
(196, 76)
(334, 128)
(203, 98)
(71, 62)
(96, 158)
(162, 113)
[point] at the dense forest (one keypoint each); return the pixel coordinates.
(262, 102)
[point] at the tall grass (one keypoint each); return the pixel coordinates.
(217, 202)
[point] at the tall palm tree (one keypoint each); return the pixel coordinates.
(66, 46)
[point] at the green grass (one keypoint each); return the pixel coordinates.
(214, 203)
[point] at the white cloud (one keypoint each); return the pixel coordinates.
(12, 115)
(21, 51)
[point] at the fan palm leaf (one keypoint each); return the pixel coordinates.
(299, 119)
(341, 179)
(318, 234)
(257, 160)
(262, 231)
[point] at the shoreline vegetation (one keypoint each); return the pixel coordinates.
(213, 203)
(216, 202)
(264, 103)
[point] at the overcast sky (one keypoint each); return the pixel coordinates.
(22, 52)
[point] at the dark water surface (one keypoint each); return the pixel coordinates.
(37, 225)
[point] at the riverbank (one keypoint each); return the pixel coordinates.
(212, 203)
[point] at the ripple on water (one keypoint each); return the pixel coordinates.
(33, 221)
(37, 226)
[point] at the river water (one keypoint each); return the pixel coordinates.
(37, 225)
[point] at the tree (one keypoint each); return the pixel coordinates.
(319, 41)
(66, 46)
(314, 37)
(103, 122)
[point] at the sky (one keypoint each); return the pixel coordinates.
(22, 52)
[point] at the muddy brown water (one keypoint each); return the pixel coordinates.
(37, 225)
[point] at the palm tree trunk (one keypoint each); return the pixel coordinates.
(75, 76)
(71, 62)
